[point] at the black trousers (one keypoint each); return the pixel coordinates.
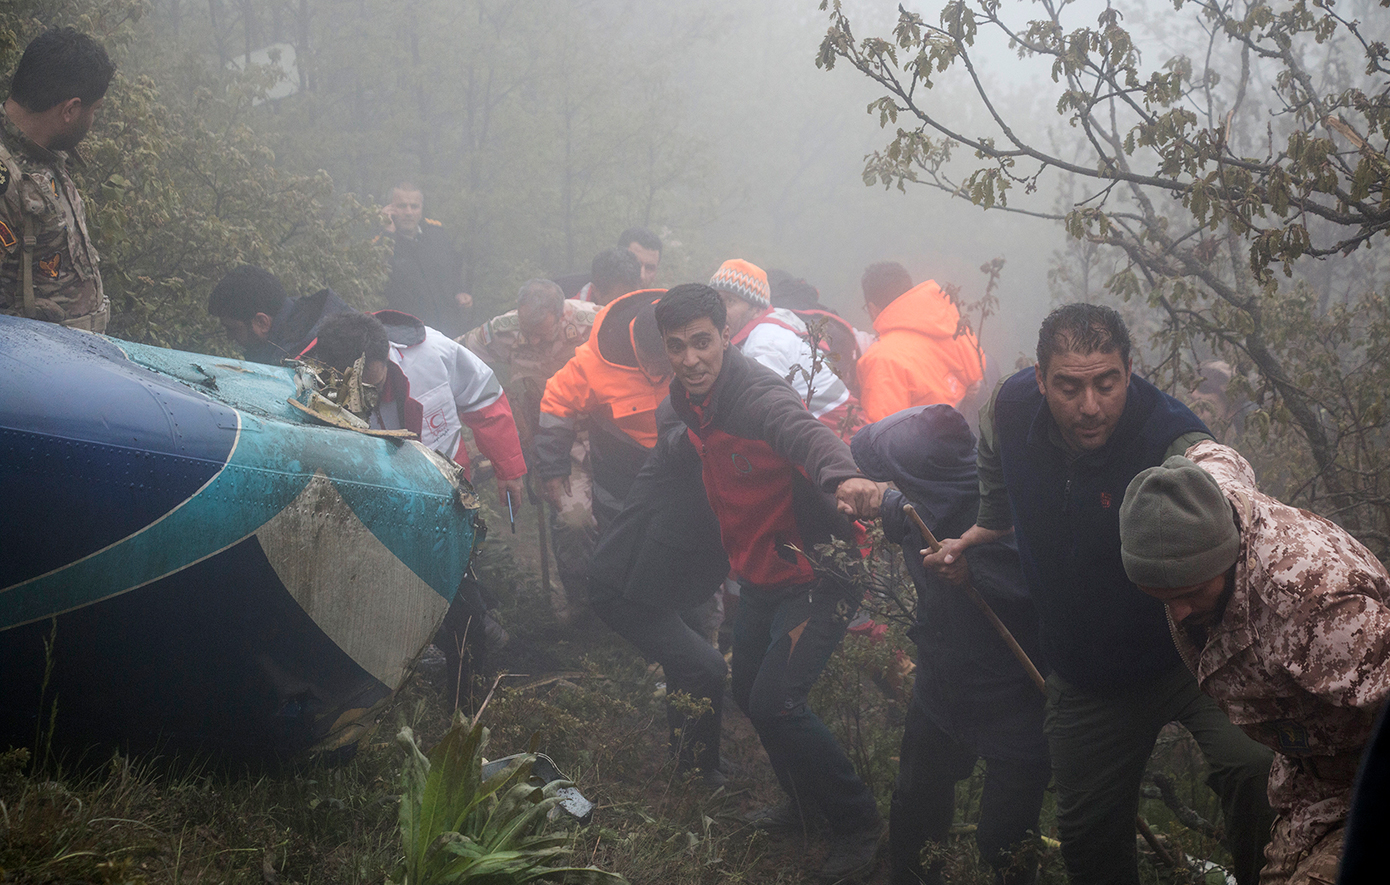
(691, 664)
(924, 802)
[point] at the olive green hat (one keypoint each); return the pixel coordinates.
(1176, 527)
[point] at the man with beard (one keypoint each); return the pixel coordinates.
(1285, 620)
(49, 268)
(1059, 444)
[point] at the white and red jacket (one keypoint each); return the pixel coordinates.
(778, 339)
(435, 386)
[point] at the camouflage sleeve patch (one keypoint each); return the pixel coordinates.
(507, 322)
(4, 179)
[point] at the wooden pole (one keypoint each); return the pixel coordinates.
(544, 545)
(979, 601)
(974, 595)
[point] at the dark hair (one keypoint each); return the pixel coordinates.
(687, 303)
(777, 277)
(60, 64)
(795, 295)
(345, 337)
(616, 268)
(884, 281)
(246, 291)
(1082, 328)
(541, 295)
(641, 236)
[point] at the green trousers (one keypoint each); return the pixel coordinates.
(1100, 746)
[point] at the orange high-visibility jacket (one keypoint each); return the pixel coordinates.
(918, 359)
(613, 383)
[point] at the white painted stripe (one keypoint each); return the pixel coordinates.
(236, 440)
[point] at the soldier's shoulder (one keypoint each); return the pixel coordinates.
(507, 322)
(433, 223)
(11, 167)
(1308, 561)
(584, 312)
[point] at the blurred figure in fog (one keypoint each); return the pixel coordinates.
(533, 342)
(613, 272)
(644, 245)
(426, 278)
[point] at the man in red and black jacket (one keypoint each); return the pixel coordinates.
(780, 482)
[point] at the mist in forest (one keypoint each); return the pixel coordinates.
(539, 131)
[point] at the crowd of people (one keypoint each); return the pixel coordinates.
(699, 446)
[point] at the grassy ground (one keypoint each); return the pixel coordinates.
(593, 706)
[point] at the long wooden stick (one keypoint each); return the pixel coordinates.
(544, 545)
(984, 607)
(974, 595)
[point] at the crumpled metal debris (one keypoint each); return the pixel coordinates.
(544, 771)
(338, 399)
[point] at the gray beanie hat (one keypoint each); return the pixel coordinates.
(1176, 527)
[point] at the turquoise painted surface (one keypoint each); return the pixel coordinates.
(391, 487)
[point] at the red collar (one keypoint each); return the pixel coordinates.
(748, 327)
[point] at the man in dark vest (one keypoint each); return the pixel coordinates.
(1058, 446)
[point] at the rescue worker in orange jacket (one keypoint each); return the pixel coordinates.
(613, 384)
(918, 359)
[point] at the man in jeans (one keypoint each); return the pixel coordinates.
(1059, 444)
(780, 482)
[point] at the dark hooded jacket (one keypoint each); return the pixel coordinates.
(296, 326)
(969, 682)
(663, 549)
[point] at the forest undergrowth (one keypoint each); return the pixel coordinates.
(580, 696)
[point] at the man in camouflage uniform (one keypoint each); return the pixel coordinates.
(1285, 620)
(534, 342)
(49, 265)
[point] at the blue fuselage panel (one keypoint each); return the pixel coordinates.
(106, 446)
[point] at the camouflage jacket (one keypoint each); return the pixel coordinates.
(34, 181)
(499, 341)
(1300, 658)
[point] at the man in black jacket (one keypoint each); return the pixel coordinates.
(971, 698)
(426, 266)
(780, 482)
(270, 326)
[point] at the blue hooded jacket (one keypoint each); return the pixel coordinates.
(968, 681)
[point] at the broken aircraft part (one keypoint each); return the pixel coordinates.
(188, 560)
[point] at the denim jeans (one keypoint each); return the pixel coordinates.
(782, 641)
